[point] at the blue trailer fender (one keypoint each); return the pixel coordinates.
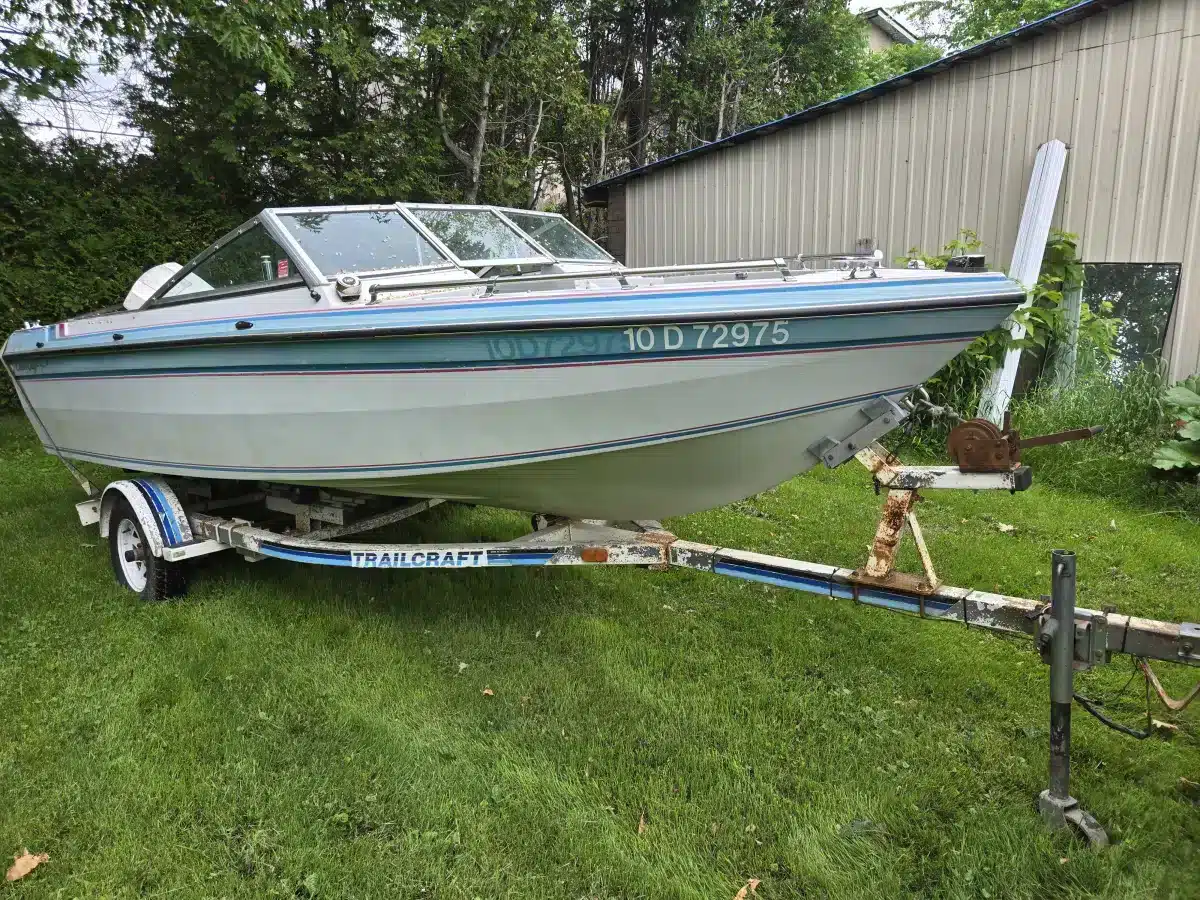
(158, 510)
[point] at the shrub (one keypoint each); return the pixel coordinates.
(1182, 451)
(960, 382)
(1135, 411)
(79, 223)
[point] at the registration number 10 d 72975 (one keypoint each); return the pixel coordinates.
(707, 336)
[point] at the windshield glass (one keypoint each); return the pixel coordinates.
(558, 236)
(476, 235)
(251, 260)
(360, 241)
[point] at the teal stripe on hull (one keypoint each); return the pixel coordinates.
(569, 346)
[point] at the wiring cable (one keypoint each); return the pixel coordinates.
(1092, 706)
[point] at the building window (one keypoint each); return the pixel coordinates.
(1142, 296)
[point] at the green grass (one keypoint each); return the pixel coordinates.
(303, 732)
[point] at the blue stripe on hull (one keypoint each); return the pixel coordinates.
(517, 349)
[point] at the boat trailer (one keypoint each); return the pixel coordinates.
(155, 524)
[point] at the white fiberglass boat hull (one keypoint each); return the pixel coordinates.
(659, 438)
(588, 419)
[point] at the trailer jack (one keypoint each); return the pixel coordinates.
(1057, 637)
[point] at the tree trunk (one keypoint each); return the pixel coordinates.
(473, 161)
(569, 190)
(531, 171)
(721, 108)
(647, 87)
(673, 131)
(537, 186)
(502, 112)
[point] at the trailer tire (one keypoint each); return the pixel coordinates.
(137, 569)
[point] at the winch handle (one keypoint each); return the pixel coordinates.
(1061, 437)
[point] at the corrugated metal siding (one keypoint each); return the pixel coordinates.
(956, 151)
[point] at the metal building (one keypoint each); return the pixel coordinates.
(911, 161)
(884, 29)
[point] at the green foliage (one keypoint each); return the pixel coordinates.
(1182, 452)
(961, 23)
(30, 68)
(726, 79)
(960, 382)
(898, 59)
(349, 100)
(281, 103)
(1130, 406)
(79, 224)
(967, 241)
(1046, 320)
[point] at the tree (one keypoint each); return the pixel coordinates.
(961, 23)
(500, 67)
(291, 102)
(303, 101)
(898, 59)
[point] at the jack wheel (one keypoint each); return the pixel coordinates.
(137, 569)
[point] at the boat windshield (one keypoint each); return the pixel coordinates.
(477, 235)
(360, 241)
(557, 235)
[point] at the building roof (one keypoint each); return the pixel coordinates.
(889, 25)
(598, 192)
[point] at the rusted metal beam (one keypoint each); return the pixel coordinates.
(1098, 634)
(896, 510)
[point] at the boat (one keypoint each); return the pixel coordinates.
(491, 356)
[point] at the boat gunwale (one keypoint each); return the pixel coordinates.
(944, 303)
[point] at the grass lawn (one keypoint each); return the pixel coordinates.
(304, 732)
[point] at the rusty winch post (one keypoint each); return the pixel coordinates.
(896, 509)
(897, 513)
(985, 458)
(881, 562)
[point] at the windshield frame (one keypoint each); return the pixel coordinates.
(304, 259)
(505, 210)
(543, 259)
(275, 231)
(312, 276)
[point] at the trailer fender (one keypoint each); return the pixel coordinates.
(159, 511)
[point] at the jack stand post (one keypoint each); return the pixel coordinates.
(1056, 805)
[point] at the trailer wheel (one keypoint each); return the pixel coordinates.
(150, 577)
